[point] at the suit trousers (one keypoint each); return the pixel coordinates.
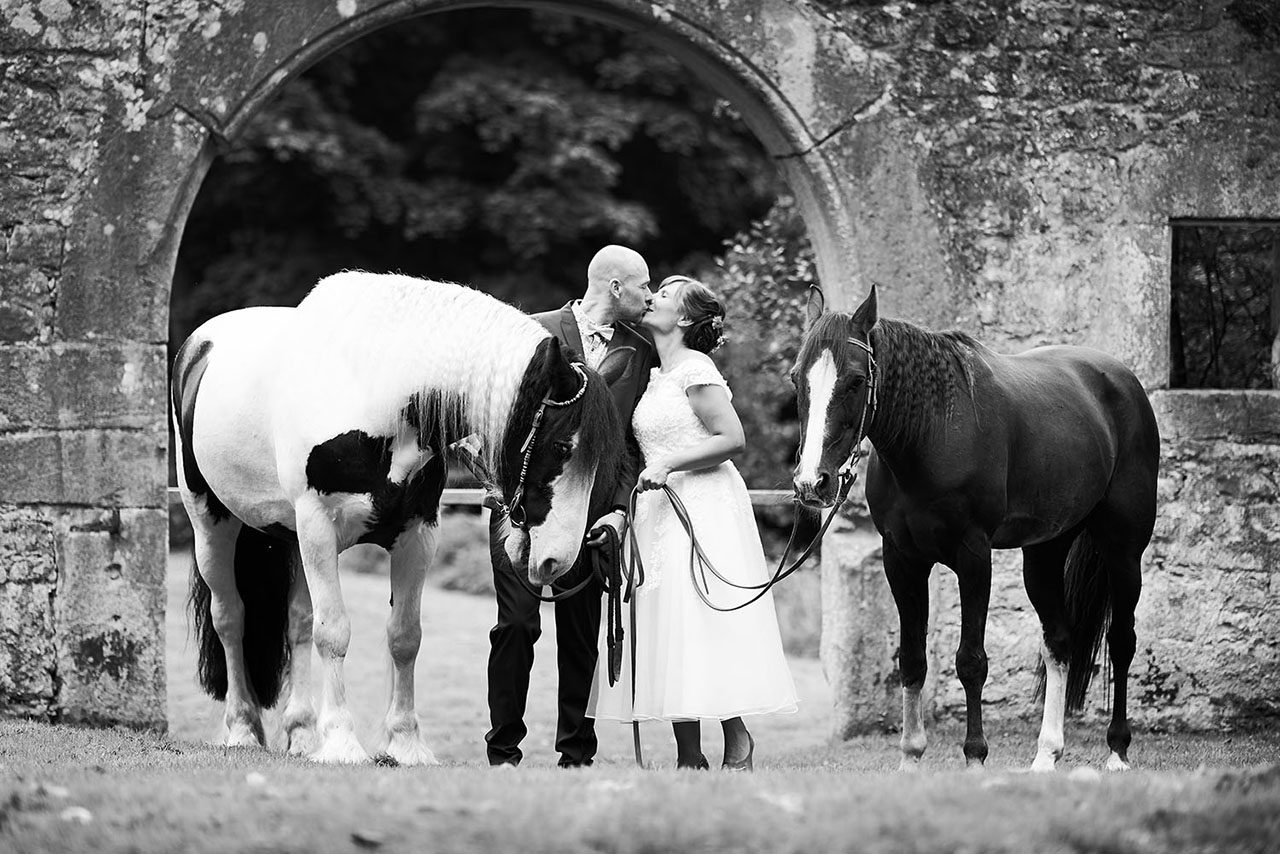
(511, 643)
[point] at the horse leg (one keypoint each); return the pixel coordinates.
(411, 556)
(973, 573)
(331, 629)
(299, 711)
(215, 551)
(1042, 574)
(909, 582)
(1124, 576)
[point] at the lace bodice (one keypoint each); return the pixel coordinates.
(664, 421)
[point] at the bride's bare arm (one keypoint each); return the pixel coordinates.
(712, 406)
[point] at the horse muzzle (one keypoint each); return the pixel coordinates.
(818, 492)
(547, 571)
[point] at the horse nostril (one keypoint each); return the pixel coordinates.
(824, 480)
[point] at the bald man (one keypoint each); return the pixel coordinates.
(596, 327)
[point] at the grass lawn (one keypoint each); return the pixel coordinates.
(72, 789)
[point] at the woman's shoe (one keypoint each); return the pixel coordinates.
(743, 764)
(701, 764)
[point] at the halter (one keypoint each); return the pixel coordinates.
(517, 497)
(868, 406)
(847, 473)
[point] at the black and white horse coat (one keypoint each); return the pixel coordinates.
(303, 431)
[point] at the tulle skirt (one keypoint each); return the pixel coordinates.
(693, 662)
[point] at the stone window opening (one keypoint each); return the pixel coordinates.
(1224, 320)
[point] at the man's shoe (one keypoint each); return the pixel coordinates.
(573, 763)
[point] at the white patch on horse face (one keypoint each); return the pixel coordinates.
(559, 537)
(822, 384)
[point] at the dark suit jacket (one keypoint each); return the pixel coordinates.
(626, 388)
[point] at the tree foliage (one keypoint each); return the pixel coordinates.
(1226, 306)
(765, 274)
(494, 147)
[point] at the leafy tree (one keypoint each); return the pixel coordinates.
(498, 148)
(764, 275)
(1226, 306)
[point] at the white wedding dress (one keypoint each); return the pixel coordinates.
(694, 662)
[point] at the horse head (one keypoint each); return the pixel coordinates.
(564, 437)
(835, 377)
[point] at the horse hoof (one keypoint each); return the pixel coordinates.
(244, 735)
(1044, 763)
(975, 765)
(302, 741)
(909, 765)
(411, 752)
(1115, 763)
(341, 749)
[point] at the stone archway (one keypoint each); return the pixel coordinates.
(154, 91)
(1012, 170)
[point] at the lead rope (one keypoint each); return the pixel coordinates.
(848, 475)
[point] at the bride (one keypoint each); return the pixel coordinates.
(694, 663)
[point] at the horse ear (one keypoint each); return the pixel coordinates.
(817, 304)
(866, 315)
(564, 380)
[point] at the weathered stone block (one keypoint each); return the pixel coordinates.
(26, 547)
(28, 668)
(28, 573)
(859, 645)
(38, 245)
(70, 386)
(26, 303)
(1239, 416)
(110, 628)
(94, 467)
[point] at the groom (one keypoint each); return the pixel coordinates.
(595, 326)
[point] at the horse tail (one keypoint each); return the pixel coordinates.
(1088, 615)
(264, 574)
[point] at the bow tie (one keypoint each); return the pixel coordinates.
(593, 328)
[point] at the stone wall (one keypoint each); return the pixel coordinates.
(1052, 143)
(1006, 166)
(1208, 623)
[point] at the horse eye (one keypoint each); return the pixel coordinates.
(563, 449)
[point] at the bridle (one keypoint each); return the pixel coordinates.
(869, 405)
(526, 450)
(848, 475)
(602, 560)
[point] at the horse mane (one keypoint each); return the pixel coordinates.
(922, 377)
(455, 356)
(595, 417)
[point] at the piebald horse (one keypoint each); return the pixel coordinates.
(303, 431)
(1054, 451)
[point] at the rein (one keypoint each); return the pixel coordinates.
(848, 475)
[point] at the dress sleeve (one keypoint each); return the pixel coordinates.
(696, 372)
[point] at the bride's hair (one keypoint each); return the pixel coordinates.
(701, 312)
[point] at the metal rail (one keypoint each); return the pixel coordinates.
(474, 497)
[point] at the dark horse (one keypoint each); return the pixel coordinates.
(1054, 451)
(303, 431)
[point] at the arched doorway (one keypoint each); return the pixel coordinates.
(217, 144)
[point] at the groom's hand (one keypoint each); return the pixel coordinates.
(615, 519)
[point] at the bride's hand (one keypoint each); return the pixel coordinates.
(654, 477)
